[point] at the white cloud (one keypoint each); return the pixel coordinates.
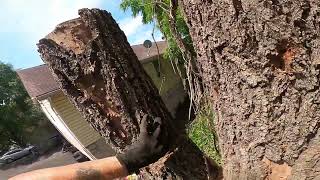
(27, 21)
(37, 18)
(130, 25)
(33, 19)
(139, 38)
(137, 32)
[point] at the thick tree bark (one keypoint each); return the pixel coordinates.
(99, 72)
(261, 61)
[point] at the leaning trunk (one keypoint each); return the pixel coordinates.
(261, 62)
(99, 72)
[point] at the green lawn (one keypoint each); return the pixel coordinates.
(202, 133)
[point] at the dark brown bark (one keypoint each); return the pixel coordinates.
(99, 72)
(261, 63)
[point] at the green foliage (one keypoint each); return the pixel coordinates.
(145, 7)
(158, 12)
(202, 133)
(18, 116)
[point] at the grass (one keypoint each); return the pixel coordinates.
(202, 133)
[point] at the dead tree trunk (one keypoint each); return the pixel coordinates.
(261, 61)
(99, 72)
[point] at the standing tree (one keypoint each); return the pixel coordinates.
(261, 64)
(17, 114)
(99, 72)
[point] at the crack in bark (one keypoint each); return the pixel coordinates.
(237, 5)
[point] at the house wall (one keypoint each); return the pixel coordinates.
(73, 119)
(100, 149)
(169, 83)
(88, 137)
(61, 126)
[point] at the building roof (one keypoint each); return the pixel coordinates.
(40, 83)
(144, 54)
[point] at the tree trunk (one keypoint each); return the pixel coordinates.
(99, 72)
(260, 61)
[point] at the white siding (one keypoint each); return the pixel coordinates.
(63, 128)
(73, 119)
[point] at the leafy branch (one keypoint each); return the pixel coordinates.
(166, 15)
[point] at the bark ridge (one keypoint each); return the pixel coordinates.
(261, 62)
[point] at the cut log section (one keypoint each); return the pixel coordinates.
(96, 68)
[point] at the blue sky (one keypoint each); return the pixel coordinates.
(24, 22)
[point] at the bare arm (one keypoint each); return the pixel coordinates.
(103, 169)
(144, 151)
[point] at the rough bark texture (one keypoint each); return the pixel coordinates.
(101, 75)
(260, 60)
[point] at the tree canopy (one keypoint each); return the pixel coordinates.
(18, 116)
(168, 18)
(158, 12)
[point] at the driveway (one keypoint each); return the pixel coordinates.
(55, 159)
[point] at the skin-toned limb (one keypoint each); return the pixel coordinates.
(103, 169)
(144, 151)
